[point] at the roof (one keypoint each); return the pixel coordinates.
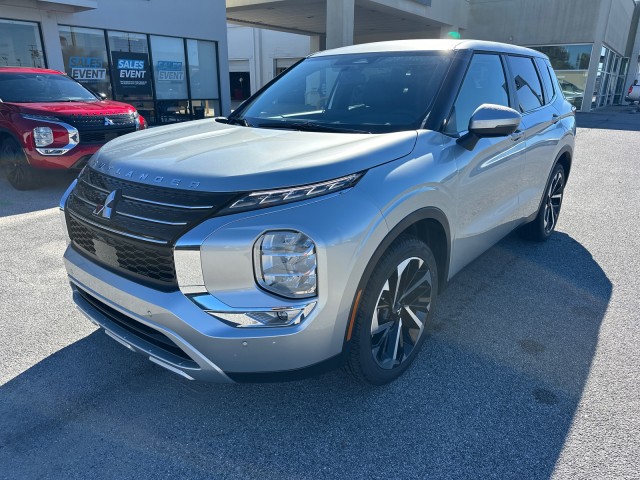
(430, 45)
(29, 70)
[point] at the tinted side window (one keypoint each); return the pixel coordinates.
(485, 82)
(546, 80)
(528, 87)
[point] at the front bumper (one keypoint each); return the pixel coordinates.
(73, 159)
(211, 350)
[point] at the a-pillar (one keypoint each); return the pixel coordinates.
(340, 17)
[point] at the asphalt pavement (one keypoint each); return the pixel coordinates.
(531, 368)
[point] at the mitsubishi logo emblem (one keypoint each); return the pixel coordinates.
(106, 209)
(108, 122)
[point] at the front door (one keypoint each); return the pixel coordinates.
(489, 175)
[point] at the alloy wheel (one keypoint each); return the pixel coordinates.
(400, 313)
(553, 202)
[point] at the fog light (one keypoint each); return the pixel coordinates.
(42, 136)
(285, 264)
(266, 318)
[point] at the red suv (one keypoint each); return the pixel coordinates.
(49, 121)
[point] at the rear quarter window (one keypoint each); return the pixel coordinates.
(549, 89)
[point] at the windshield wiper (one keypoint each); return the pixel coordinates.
(239, 121)
(310, 127)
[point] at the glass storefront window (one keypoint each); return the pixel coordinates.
(84, 52)
(571, 64)
(20, 44)
(169, 68)
(607, 81)
(203, 69)
(205, 108)
(131, 71)
(568, 57)
(130, 64)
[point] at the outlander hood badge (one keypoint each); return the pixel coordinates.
(108, 122)
(107, 209)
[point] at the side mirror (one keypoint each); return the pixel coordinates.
(103, 96)
(494, 121)
(490, 121)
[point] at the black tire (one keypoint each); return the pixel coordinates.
(541, 228)
(14, 163)
(383, 346)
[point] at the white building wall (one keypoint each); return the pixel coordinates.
(538, 22)
(258, 49)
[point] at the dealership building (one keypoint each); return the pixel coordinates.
(170, 64)
(593, 44)
(179, 61)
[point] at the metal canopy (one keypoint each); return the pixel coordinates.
(382, 19)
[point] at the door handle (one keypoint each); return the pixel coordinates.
(555, 118)
(517, 135)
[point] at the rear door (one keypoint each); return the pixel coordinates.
(534, 95)
(490, 174)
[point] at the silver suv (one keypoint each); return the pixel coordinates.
(316, 226)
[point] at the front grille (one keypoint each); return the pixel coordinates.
(103, 136)
(92, 122)
(95, 129)
(138, 240)
(138, 329)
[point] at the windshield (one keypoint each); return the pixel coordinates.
(37, 87)
(366, 93)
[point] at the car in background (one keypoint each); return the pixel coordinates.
(48, 121)
(634, 93)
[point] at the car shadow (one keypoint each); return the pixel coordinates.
(51, 188)
(622, 118)
(492, 395)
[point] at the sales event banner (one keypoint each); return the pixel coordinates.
(169, 71)
(131, 73)
(87, 69)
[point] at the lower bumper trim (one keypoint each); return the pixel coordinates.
(289, 375)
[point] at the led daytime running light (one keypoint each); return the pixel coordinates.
(285, 195)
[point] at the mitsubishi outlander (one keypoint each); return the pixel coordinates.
(316, 226)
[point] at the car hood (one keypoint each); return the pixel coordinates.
(210, 156)
(106, 107)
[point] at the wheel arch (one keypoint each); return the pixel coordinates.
(429, 224)
(564, 158)
(6, 133)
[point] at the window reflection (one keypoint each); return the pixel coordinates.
(20, 44)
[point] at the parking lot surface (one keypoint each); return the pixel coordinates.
(531, 368)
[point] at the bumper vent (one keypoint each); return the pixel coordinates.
(102, 136)
(137, 240)
(148, 334)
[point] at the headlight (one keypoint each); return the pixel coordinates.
(42, 136)
(285, 264)
(136, 118)
(269, 198)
